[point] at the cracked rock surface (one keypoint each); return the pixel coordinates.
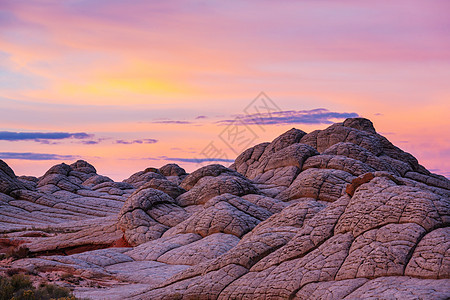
(339, 213)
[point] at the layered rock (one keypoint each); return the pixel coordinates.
(338, 213)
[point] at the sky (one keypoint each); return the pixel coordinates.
(127, 85)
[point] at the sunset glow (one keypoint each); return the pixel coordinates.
(151, 82)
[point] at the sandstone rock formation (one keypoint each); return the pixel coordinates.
(339, 213)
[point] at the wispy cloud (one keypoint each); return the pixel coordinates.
(41, 136)
(185, 150)
(314, 116)
(441, 172)
(192, 160)
(141, 141)
(36, 156)
(199, 160)
(171, 122)
(90, 142)
(48, 142)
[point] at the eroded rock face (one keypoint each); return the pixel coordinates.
(430, 258)
(8, 180)
(209, 171)
(338, 213)
(208, 187)
(140, 178)
(147, 214)
(173, 173)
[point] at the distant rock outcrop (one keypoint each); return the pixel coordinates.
(339, 213)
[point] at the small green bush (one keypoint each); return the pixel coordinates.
(19, 287)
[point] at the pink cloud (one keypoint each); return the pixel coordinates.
(351, 55)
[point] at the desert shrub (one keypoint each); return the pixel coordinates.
(19, 287)
(51, 291)
(17, 253)
(6, 289)
(70, 278)
(11, 272)
(20, 281)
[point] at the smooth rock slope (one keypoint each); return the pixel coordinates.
(339, 213)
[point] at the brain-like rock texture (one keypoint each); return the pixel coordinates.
(339, 213)
(147, 214)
